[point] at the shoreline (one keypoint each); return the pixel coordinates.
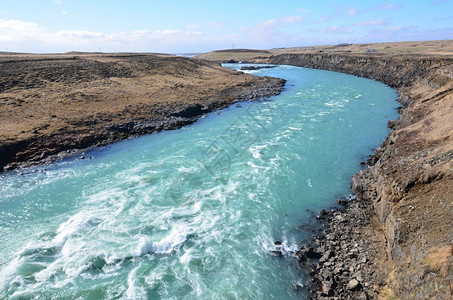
(340, 258)
(132, 130)
(396, 238)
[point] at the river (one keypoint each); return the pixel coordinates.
(194, 212)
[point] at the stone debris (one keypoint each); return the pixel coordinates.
(338, 259)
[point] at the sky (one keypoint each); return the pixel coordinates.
(49, 26)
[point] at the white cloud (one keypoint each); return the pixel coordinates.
(286, 31)
(214, 24)
(406, 33)
(303, 11)
(388, 7)
(29, 37)
(16, 30)
(140, 32)
(292, 19)
(374, 22)
(273, 24)
(231, 36)
(352, 12)
(18, 26)
(167, 36)
(193, 26)
(64, 12)
(263, 35)
(59, 2)
(79, 34)
(167, 32)
(394, 28)
(348, 11)
(337, 29)
(267, 24)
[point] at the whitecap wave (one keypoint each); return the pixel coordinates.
(134, 291)
(177, 236)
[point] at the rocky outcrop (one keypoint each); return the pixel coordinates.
(408, 182)
(254, 68)
(396, 71)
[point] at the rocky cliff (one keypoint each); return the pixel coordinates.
(409, 179)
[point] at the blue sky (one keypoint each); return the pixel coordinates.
(198, 26)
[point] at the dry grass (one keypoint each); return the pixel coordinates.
(43, 94)
(439, 260)
(443, 47)
(234, 55)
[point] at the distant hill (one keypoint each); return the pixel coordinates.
(241, 51)
(442, 47)
(234, 54)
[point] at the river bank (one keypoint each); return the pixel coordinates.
(403, 243)
(54, 106)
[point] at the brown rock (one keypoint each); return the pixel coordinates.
(353, 285)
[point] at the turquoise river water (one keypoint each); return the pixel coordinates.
(193, 213)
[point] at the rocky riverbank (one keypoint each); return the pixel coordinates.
(52, 106)
(395, 240)
(340, 259)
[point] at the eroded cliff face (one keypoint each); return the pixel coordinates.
(409, 180)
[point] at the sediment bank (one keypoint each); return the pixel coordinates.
(403, 242)
(54, 105)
